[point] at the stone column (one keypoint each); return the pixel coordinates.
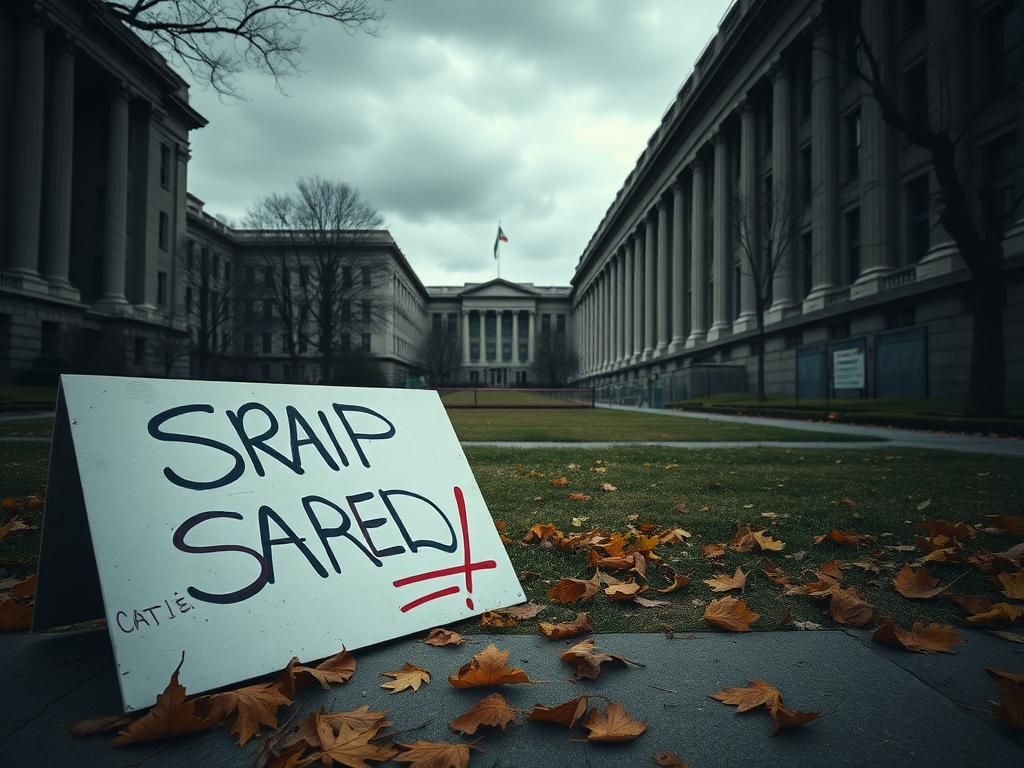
(697, 256)
(782, 191)
(650, 284)
(116, 221)
(877, 213)
(499, 315)
(602, 317)
(620, 332)
(27, 153)
(722, 258)
(824, 164)
(515, 336)
(678, 278)
(530, 333)
(638, 292)
(662, 288)
(750, 210)
(613, 310)
(630, 310)
(57, 181)
(465, 337)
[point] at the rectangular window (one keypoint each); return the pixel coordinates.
(839, 330)
(165, 231)
(366, 310)
(915, 92)
(250, 310)
(303, 344)
(188, 298)
(853, 143)
(161, 289)
(225, 340)
(346, 277)
(366, 277)
(559, 323)
(806, 85)
(365, 345)
(999, 40)
(247, 342)
(165, 166)
(216, 266)
(918, 228)
(303, 276)
(268, 276)
(267, 343)
(139, 357)
(190, 247)
(853, 244)
(903, 317)
(806, 262)
(49, 338)
(285, 343)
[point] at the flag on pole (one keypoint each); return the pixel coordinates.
(499, 239)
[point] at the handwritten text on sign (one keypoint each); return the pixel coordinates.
(337, 516)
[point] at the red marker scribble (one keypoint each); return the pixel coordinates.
(466, 569)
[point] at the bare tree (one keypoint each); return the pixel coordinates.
(555, 359)
(172, 347)
(208, 305)
(971, 211)
(765, 236)
(216, 40)
(324, 282)
(440, 356)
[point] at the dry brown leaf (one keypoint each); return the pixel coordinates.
(766, 543)
(440, 637)
(712, 551)
(998, 615)
(950, 531)
(338, 668)
(491, 710)
(13, 526)
(95, 725)
(567, 713)
(758, 694)
(669, 760)
(543, 533)
(559, 481)
(646, 603)
(349, 746)
(849, 608)
(14, 615)
(487, 668)
(172, 715)
(671, 536)
(579, 496)
(612, 725)
(783, 718)
(1013, 637)
(434, 754)
(625, 592)
(251, 706)
(1013, 585)
(574, 590)
(841, 537)
(608, 487)
(678, 582)
(409, 676)
(579, 626)
(1010, 708)
(832, 569)
(1016, 677)
(917, 585)
(25, 588)
(775, 573)
(522, 612)
(973, 604)
(496, 619)
(1012, 524)
(731, 614)
(588, 660)
(931, 638)
(724, 583)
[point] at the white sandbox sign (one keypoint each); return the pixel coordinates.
(244, 524)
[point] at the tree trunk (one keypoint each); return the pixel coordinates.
(760, 359)
(986, 396)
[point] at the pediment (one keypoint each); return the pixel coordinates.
(499, 288)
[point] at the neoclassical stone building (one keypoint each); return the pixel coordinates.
(772, 114)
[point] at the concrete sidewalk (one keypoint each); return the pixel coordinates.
(880, 706)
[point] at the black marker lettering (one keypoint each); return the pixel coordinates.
(415, 544)
(156, 432)
(211, 597)
(354, 436)
(340, 530)
(265, 515)
(295, 419)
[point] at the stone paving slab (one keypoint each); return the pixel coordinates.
(879, 709)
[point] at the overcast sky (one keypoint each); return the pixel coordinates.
(461, 113)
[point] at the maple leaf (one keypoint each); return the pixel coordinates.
(172, 715)
(252, 706)
(669, 760)
(434, 754)
(14, 615)
(678, 582)
(94, 725)
(567, 713)
(766, 543)
(944, 528)
(487, 668)
(712, 551)
(730, 613)
(588, 660)
(579, 496)
(832, 568)
(1013, 584)
(579, 626)
(723, 583)
(973, 604)
(624, 592)
(13, 526)
(672, 536)
(496, 619)
(574, 590)
(613, 724)
(758, 694)
(440, 637)
(350, 746)
(931, 638)
(1002, 674)
(1010, 708)
(848, 607)
(998, 615)
(783, 718)
(338, 668)
(492, 710)
(775, 573)
(409, 676)
(841, 537)
(1012, 524)
(941, 555)
(917, 585)
(522, 612)
(543, 533)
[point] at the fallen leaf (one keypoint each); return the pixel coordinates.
(999, 615)
(712, 551)
(440, 637)
(543, 533)
(924, 504)
(730, 613)
(14, 615)
(724, 583)
(608, 487)
(409, 676)
(579, 626)
(841, 537)
(574, 590)
(492, 710)
(643, 601)
(558, 481)
(1003, 524)
(806, 625)
(947, 531)
(849, 608)
(917, 585)
(678, 582)
(522, 612)
(251, 706)
(931, 638)
(783, 718)
(349, 746)
(434, 754)
(13, 526)
(1016, 677)
(1010, 708)
(832, 568)
(612, 725)
(338, 668)
(623, 592)
(172, 715)
(95, 725)
(567, 713)
(759, 693)
(25, 588)
(766, 543)
(579, 496)
(1013, 585)
(487, 668)
(1013, 637)
(588, 660)
(672, 536)
(669, 760)
(496, 619)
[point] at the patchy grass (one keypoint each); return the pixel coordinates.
(604, 424)
(20, 394)
(26, 427)
(499, 397)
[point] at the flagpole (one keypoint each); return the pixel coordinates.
(498, 252)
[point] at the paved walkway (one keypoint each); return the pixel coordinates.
(880, 706)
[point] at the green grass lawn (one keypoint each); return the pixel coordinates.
(499, 397)
(603, 424)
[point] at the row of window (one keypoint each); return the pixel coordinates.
(302, 346)
(268, 275)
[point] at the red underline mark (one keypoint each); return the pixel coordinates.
(427, 598)
(483, 565)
